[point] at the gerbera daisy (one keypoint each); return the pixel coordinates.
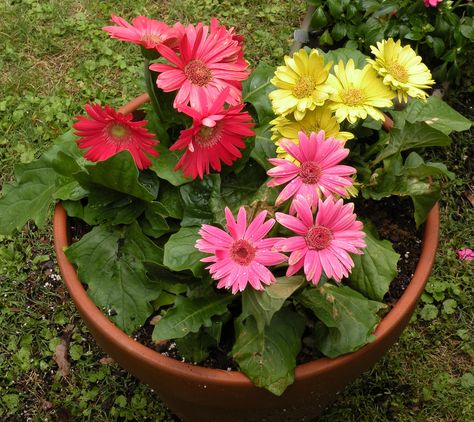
(107, 132)
(431, 3)
(208, 63)
(321, 118)
(401, 69)
(149, 33)
(302, 84)
(357, 93)
(318, 172)
(216, 135)
(240, 255)
(322, 245)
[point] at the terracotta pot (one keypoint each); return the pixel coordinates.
(201, 394)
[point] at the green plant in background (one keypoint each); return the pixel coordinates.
(443, 35)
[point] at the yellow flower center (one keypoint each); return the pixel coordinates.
(304, 87)
(198, 73)
(398, 71)
(352, 97)
(117, 132)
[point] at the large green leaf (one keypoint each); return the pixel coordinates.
(197, 198)
(164, 166)
(348, 318)
(120, 173)
(376, 268)
(262, 305)
(264, 147)
(255, 90)
(411, 136)
(110, 261)
(30, 197)
(410, 179)
(189, 315)
(170, 198)
(435, 113)
(153, 222)
(268, 358)
(181, 254)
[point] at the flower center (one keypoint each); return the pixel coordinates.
(318, 237)
(353, 96)
(118, 132)
(242, 252)
(207, 137)
(304, 87)
(153, 39)
(198, 73)
(398, 71)
(310, 172)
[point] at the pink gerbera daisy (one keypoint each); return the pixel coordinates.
(215, 136)
(322, 245)
(207, 62)
(240, 255)
(431, 3)
(318, 172)
(144, 31)
(108, 132)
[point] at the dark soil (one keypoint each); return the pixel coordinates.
(393, 219)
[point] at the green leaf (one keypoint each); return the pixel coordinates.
(197, 198)
(429, 312)
(29, 197)
(189, 315)
(411, 136)
(255, 91)
(194, 347)
(376, 268)
(262, 305)
(170, 198)
(348, 318)
(110, 261)
(268, 358)
(119, 173)
(318, 19)
(164, 166)
(338, 31)
(449, 306)
(435, 113)
(344, 54)
(180, 253)
(264, 147)
(153, 222)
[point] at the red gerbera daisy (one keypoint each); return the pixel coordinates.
(208, 62)
(108, 132)
(215, 136)
(144, 31)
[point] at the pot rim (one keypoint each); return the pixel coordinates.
(201, 374)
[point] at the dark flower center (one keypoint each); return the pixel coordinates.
(318, 237)
(242, 252)
(310, 172)
(198, 73)
(207, 137)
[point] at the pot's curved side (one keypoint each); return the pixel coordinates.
(200, 394)
(196, 393)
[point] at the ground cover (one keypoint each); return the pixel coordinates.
(55, 58)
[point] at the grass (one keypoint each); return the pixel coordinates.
(55, 58)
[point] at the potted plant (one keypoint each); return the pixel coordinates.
(224, 221)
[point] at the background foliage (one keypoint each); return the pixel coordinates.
(55, 59)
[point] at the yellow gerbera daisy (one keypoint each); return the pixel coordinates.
(321, 118)
(302, 84)
(358, 93)
(401, 69)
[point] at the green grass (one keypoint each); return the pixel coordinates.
(55, 58)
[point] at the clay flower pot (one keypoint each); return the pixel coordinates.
(201, 394)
